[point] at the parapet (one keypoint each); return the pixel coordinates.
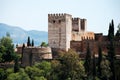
(37, 50)
(75, 19)
(53, 18)
(58, 15)
(83, 19)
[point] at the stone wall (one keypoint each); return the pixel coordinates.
(79, 36)
(59, 30)
(81, 46)
(35, 54)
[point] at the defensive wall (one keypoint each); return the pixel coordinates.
(31, 55)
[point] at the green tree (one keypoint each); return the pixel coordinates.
(99, 60)
(40, 78)
(56, 71)
(88, 61)
(32, 42)
(111, 50)
(71, 66)
(34, 72)
(6, 49)
(21, 75)
(43, 44)
(105, 69)
(94, 67)
(2, 74)
(2, 51)
(46, 67)
(28, 41)
(9, 71)
(111, 58)
(16, 64)
(117, 68)
(111, 31)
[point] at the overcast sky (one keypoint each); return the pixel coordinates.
(33, 14)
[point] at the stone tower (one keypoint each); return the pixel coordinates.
(59, 31)
(76, 24)
(79, 25)
(83, 24)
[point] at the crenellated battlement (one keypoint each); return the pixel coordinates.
(59, 15)
(58, 18)
(75, 19)
(78, 20)
(76, 24)
(56, 15)
(83, 19)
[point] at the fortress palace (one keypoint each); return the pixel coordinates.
(65, 32)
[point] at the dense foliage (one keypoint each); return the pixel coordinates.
(67, 67)
(43, 44)
(7, 53)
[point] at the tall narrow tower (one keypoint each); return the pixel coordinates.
(59, 31)
(76, 24)
(83, 24)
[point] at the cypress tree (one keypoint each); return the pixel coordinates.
(111, 50)
(88, 61)
(112, 28)
(111, 58)
(111, 31)
(32, 42)
(99, 60)
(16, 65)
(94, 67)
(28, 41)
(23, 45)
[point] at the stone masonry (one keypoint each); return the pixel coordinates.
(31, 55)
(62, 29)
(59, 31)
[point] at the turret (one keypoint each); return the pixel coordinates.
(76, 24)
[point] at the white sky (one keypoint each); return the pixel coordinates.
(33, 14)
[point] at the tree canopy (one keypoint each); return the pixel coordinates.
(43, 44)
(7, 53)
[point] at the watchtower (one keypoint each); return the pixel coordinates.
(83, 24)
(76, 24)
(79, 24)
(59, 31)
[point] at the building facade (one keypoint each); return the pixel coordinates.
(59, 30)
(62, 29)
